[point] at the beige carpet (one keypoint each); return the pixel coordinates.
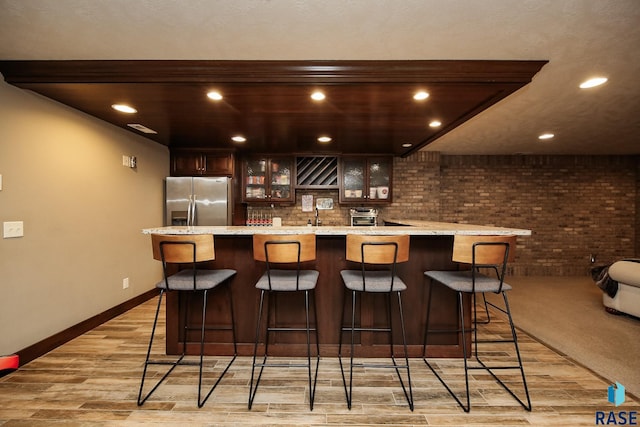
(566, 313)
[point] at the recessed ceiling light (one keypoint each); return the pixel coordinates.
(596, 81)
(318, 96)
(238, 138)
(435, 124)
(420, 96)
(407, 145)
(546, 136)
(123, 108)
(215, 95)
(324, 139)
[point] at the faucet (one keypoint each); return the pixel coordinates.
(318, 220)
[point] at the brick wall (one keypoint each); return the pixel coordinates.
(416, 187)
(574, 205)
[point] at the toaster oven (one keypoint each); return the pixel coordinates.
(364, 217)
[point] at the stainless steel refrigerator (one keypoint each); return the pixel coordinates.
(198, 201)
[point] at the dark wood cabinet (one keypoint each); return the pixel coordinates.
(268, 179)
(202, 163)
(366, 179)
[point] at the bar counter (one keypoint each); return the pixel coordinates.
(431, 247)
(411, 227)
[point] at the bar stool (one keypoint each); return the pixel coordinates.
(283, 256)
(188, 251)
(482, 254)
(378, 257)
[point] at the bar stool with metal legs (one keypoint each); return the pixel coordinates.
(188, 251)
(284, 256)
(378, 257)
(487, 257)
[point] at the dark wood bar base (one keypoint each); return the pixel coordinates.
(234, 251)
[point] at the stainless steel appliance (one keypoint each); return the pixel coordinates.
(198, 201)
(364, 217)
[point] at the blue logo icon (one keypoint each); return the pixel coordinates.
(616, 394)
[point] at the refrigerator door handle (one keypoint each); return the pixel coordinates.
(189, 211)
(193, 211)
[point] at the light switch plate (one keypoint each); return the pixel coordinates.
(13, 229)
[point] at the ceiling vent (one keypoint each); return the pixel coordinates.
(139, 127)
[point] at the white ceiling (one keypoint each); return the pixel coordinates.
(580, 38)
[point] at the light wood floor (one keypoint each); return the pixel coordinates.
(94, 380)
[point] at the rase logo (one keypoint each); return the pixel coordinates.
(615, 395)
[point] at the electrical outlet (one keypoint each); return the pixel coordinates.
(125, 283)
(13, 229)
(129, 161)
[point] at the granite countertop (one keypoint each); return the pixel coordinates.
(453, 228)
(415, 228)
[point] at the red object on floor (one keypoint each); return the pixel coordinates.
(9, 363)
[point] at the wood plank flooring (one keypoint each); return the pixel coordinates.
(94, 379)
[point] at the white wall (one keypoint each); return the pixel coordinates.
(62, 175)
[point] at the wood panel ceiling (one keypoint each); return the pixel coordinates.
(369, 105)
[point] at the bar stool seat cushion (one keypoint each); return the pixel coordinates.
(205, 279)
(377, 281)
(461, 281)
(285, 280)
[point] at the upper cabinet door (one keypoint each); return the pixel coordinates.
(353, 180)
(282, 177)
(268, 179)
(201, 163)
(186, 163)
(380, 178)
(218, 164)
(255, 179)
(366, 179)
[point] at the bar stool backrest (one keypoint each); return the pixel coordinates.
(183, 248)
(484, 250)
(377, 249)
(284, 248)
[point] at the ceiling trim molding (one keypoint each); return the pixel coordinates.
(285, 72)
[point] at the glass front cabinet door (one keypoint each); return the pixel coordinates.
(366, 179)
(268, 179)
